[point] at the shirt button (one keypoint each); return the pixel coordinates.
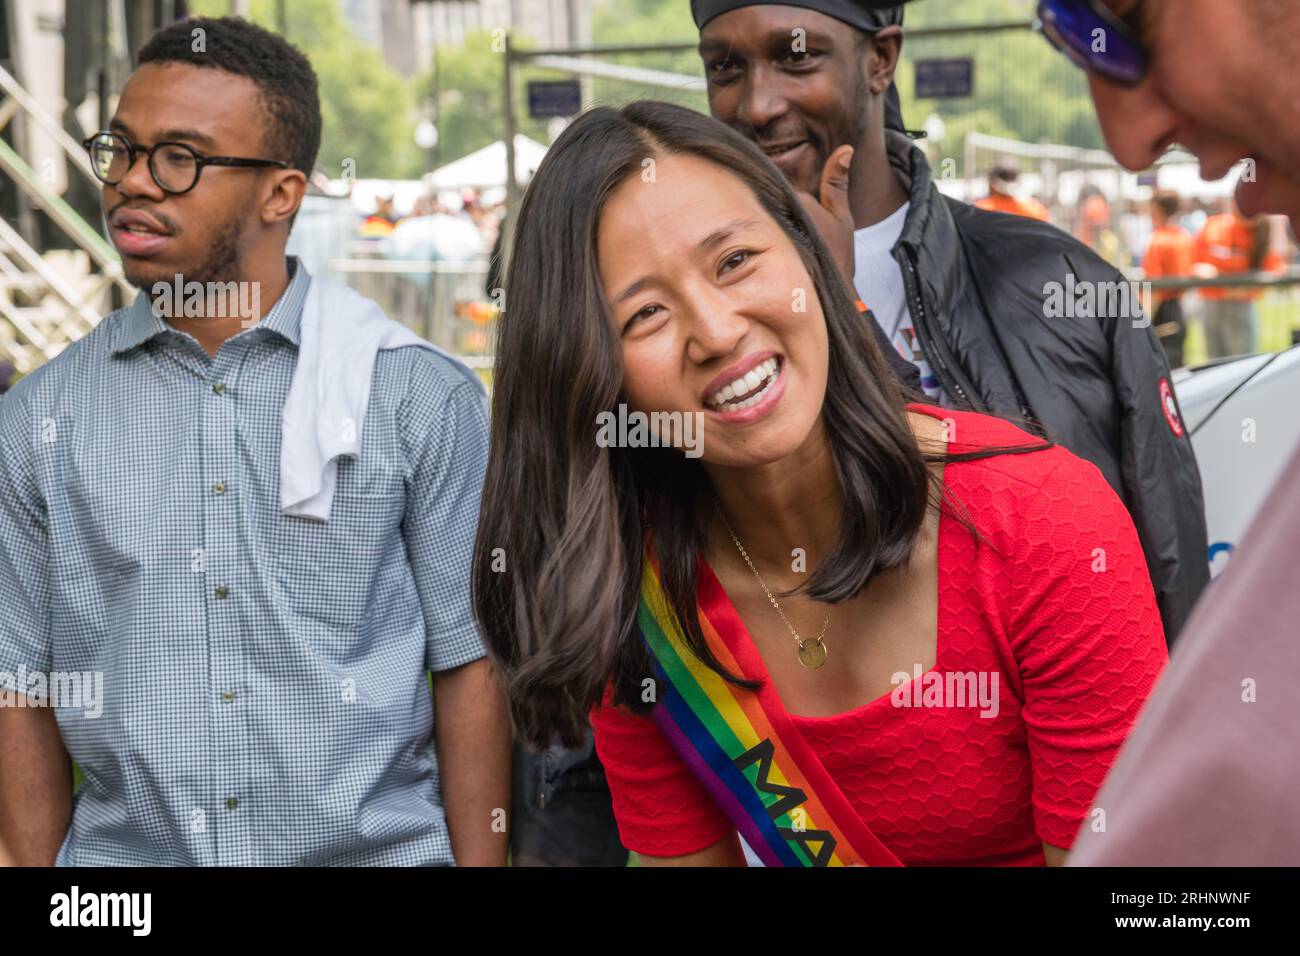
(222, 591)
(219, 488)
(219, 388)
(231, 803)
(228, 696)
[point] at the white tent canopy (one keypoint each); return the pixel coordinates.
(487, 166)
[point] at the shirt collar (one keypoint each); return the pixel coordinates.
(140, 324)
(285, 317)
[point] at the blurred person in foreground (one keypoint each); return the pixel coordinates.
(1230, 244)
(965, 293)
(262, 617)
(1002, 196)
(1168, 255)
(1210, 773)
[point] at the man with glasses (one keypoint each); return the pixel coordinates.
(1209, 775)
(258, 676)
(963, 292)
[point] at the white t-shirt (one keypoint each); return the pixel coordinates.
(879, 283)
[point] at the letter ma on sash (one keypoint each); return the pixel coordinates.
(787, 799)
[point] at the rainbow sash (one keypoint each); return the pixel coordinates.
(741, 744)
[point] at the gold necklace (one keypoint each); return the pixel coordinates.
(812, 651)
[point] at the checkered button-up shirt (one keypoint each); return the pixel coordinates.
(265, 697)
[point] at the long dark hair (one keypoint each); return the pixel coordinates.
(558, 559)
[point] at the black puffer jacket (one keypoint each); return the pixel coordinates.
(1099, 386)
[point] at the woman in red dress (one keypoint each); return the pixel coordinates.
(869, 550)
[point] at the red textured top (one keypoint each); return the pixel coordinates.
(1057, 604)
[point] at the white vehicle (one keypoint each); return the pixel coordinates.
(1244, 418)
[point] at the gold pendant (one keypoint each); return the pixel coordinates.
(812, 653)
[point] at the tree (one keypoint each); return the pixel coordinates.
(1023, 88)
(647, 21)
(471, 100)
(367, 109)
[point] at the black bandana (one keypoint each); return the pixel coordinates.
(868, 15)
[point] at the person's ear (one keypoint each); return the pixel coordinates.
(284, 193)
(886, 47)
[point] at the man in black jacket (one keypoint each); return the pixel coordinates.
(1002, 314)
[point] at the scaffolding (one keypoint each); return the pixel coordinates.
(47, 306)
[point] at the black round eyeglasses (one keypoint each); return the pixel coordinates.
(175, 167)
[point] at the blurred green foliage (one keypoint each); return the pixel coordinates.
(1023, 89)
(471, 95)
(367, 108)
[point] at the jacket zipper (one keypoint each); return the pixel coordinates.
(924, 334)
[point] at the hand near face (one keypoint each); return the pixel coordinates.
(830, 211)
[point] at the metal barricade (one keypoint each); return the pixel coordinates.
(1276, 307)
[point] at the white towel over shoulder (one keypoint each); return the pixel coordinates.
(341, 334)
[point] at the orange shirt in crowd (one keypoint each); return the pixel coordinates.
(1030, 208)
(1225, 243)
(1170, 253)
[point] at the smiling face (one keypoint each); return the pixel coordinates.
(203, 233)
(1223, 84)
(715, 311)
(798, 102)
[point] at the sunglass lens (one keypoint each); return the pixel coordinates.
(1123, 63)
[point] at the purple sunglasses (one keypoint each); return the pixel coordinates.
(1077, 27)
